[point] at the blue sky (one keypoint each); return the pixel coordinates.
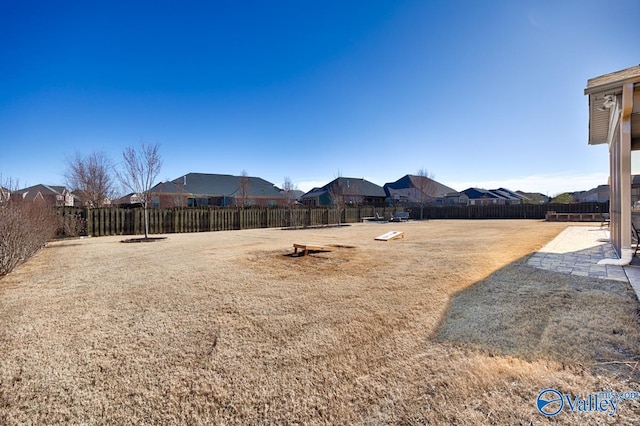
(479, 93)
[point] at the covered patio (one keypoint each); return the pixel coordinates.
(614, 119)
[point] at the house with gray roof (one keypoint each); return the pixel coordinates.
(485, 197)
(599, 194)
(51, 194)
(351, 191)
(208, 189)
(535, 197)
(412, 189)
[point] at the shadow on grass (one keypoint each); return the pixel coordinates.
(532, 313)
(143, 240)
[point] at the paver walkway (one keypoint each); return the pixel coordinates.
(577, 250)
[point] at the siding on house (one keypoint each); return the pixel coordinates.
(51, 194)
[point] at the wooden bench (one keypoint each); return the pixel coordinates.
(306, 248)
(377, 217)
(400, 216)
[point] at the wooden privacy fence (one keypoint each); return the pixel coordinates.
(517, 211)
(120, 221)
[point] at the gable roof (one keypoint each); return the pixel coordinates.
(43, 189)
(209, 184)
(434, 189)
(475, 193)
(500, 193)
(507, 193)
(350, 187)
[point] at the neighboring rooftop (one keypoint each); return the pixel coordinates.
(219, 185)
(433, 188)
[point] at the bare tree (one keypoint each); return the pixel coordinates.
(425, 187)
(93, 176)
(141, 168)
(338, 197)
(288, 189)
(243, 189)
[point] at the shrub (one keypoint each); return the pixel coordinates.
(25, 227)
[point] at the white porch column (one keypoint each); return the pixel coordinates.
(625, 165)
(620, 203)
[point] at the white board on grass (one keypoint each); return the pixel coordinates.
(391, 235)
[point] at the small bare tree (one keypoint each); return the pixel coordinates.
(141, 168)
(425, 188)
(288, 189)
(243, 189)
(338, 196)
(93, 176)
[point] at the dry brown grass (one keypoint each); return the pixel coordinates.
(447, 325)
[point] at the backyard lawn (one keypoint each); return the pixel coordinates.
(447, 325)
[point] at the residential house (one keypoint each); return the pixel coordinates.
(50, 194)
(534, 197)
(351, 191)
(456, 198)
(81, 199)
(129, 200)
(206, 189)
(486, 197)
(600, 194)
(511, 197)
(481, 197)
(411, 189)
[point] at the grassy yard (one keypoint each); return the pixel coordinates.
(445, 326)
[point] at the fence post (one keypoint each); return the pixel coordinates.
(89, 222)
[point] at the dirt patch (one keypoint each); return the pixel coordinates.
(224, 328)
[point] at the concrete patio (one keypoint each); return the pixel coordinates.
(577, 250)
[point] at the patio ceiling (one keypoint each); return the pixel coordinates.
(605, 97)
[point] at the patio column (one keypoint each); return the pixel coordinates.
(620, 171)
(625, 166)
